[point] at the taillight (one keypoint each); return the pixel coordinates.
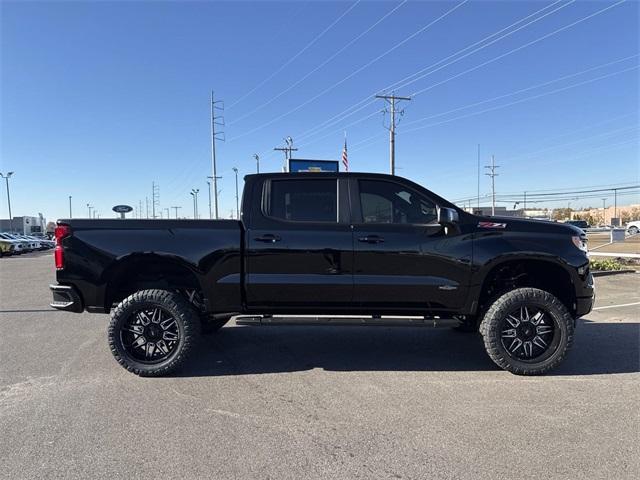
(61, 232)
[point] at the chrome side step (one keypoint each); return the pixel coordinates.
(346, 320)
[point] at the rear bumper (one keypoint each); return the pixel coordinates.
(65, 297)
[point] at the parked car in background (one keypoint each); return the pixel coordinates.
(633, 227)
(40, 243)
(6, 247)
(20, 246)
(28, 245)
(578, 223)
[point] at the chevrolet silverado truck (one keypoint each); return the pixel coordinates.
(332, 249)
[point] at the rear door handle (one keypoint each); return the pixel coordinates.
(371, 239)
(268, 238)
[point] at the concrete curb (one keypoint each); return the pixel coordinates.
(604, 273)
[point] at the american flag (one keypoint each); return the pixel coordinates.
(345, 158)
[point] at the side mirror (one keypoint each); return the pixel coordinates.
(447, 217)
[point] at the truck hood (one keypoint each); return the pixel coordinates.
(515, 224)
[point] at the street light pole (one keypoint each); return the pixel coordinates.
(6, 178)
(235, 170)
(70, 214)
(257, 157)
(89, 208)
(194, 192)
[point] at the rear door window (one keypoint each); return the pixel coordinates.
(303, 200)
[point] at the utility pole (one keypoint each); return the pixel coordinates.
(391, 100)
(209, 192)
(6, 178)
(288, 150)
(214, 137)
(167, 212)
(89, 208)
(70, 215)
(615, 204)
(478, 202)
(492, 173)
(525, 200)
(215, 186)
(140, 209)
(235, 170)
(146, 204)
(257, 157)
(155, 198)
(176, 209)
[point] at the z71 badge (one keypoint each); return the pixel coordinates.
(491, 225)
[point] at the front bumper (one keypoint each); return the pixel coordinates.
(65, 297)
(584, 304)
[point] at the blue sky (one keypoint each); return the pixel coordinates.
(99, 99)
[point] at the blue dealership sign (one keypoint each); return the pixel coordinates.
(300, 165)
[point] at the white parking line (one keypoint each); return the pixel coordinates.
(618, 306)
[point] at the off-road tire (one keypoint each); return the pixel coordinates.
(491, 325)
(186, 318)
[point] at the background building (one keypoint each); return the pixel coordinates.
(24, 225)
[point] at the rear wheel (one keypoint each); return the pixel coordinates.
(152, 332)
(633, 230)
(527, 331)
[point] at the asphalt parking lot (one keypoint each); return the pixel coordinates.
(312, 402)
(601, 242)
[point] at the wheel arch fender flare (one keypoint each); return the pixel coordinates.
(137, 265)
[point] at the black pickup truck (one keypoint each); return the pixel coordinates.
(342, 246)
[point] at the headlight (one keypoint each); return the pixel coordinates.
(580, 243)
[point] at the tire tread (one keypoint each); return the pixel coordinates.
(171, 300)
(490, 330)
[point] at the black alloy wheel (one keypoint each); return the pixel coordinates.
(152, 332)
(527, 331)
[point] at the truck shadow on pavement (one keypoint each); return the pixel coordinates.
(599, 348)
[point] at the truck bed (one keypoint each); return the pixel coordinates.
(102, 253)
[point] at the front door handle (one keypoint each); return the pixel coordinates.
(268, 238)
(371, 239)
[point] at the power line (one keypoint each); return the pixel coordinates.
(401, 83)
(526, 99)
(359, 105)
(306, 102)
(288, 62)
(522, 90)
(520, 47)
(298, 82)
(464, 107)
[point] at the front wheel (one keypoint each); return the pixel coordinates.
(527, 331)
(633, 230)
(152, 331)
